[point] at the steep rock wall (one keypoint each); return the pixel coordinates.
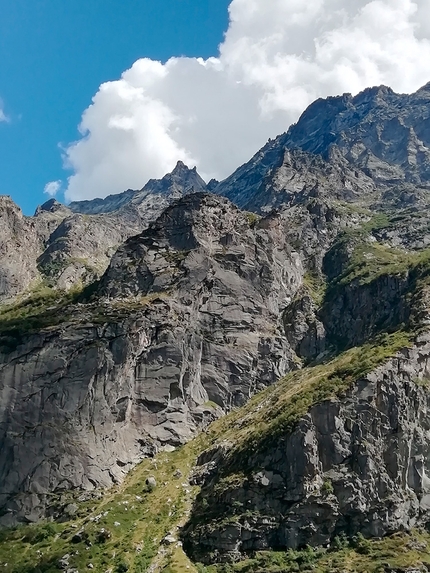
(357, 463)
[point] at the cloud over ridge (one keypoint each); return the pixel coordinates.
(276, 58)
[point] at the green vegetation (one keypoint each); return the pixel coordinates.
(122, 532)
(358, 555)
(52, 269)
(371, 221)
(276, 410)
(371, 260)
(327, 487)
(175, 257)
(316, 286)
(376, 222)
(44, 308)
(253, 218)
(274, 413)
(368, 259)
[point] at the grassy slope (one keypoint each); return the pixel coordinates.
(136, 519)
(399, 552)
(146, 517)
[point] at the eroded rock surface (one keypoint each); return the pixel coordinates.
(355, 464)
(83, 402)
(71, 246)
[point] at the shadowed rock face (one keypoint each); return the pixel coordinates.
(82, 403)
(204, 305)
(346, 147)
(22, 240)
(181, 181)
(356, 464)
(81, 247)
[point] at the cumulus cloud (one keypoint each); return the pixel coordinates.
(276, 58)
(52, 188)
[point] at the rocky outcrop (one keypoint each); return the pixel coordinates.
(80, 249)
(304, 330)
(374, 146)
(359, 463)
(198, 306)
(70, 246)
(189, 326)
(22, 240)
(278, 176)
(155, 196)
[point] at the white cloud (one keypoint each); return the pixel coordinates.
(3, 117)
(277, 57)
(52, 188)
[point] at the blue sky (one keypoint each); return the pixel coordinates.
(232, 74)
(54, 54)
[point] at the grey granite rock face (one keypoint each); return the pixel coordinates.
(70, 246)
(22, 240)
(81, 247)
(376, 144)
(356, 464)
(303, 328)
(81, 404)
(181, 181)
(204, 305)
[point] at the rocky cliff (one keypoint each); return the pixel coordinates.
(196, 308)
(355, 463)
(186, 325)
(65, 247)
(374, 146)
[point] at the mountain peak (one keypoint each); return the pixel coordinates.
(51, 206)
(182, 168)
(424, 89)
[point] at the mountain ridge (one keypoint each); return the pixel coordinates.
(275, 322)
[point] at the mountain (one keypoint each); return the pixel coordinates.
(181, 181)
(70, 246)
(248, 372)
(370, 146)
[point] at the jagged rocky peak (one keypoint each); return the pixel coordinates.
(191, 315)
(372, 141)
(423, 90)
(74, 244)
(50, 206)
(204, 306)
(180, 181)
(182, 170)
(19, 248)
(199, 227)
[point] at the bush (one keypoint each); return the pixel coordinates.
(340, 542)
(327, 487)
(37, 535)
(361, 544)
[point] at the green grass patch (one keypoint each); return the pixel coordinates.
(252, 218)
(46, 308)
(399, 552)
(276, 411)
(135, 520)
(316, 285)
(121, 532)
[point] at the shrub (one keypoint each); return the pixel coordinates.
(361, 544)
(327, 487)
